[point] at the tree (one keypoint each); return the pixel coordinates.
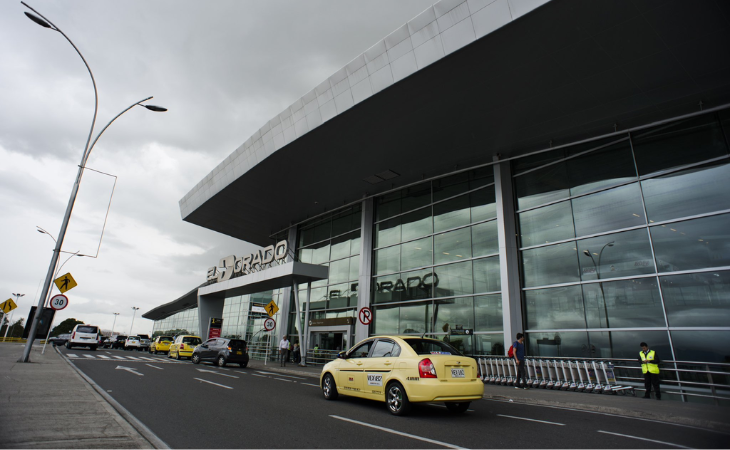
(65, 327)
(16, 329)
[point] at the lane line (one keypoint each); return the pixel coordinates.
(154, 366)
(117, 357)
(147, 358)
(307, 384)
(531, 420)
(284, 379)
(257, 375)
(104, 356)
(72, 355)
(210, 382)
(643, 439)
(280, 375)
(399, 433)
(133, 358)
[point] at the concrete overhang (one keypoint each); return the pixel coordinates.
(185, 302)
(276, 277)
(568, 70)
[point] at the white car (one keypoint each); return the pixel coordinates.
(84, 336)
(132, 343)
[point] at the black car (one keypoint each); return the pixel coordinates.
(60, 339)
(115, 341)
(222, 351)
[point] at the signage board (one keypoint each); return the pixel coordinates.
(8, 305)
(43, 326)
(269, 324)
(232, 266)
(365, 315)
(65, 283)
(331, 322)
(214, 328)
(259, 309)
(462, 332)
(271, 308)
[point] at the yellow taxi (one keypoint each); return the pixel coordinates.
(183, 346)
(401, 370)
(161, 344)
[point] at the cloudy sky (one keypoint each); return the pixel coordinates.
(223, 69)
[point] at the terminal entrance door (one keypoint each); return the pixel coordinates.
(329, 340)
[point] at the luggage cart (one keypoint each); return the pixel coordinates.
(550, 371)
(590, 379)
(566, 382)
(600, 380)
(492, 369)
(543, 380)
(581, 386)
(530, 372)
(608, 371)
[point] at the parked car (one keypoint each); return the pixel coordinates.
(84, 336)
(132, 343)
(116, 341)
(101, 340)
(221, 351)
(60, 339)
(144, 342)
(161, 344)
(183, 346)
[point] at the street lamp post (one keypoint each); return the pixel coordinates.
(134, 308)
(5, 317)
(42, 21)
(115, 322)
(597, 268)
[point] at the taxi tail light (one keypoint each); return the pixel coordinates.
(229, 348)
(73, 336)
(426, 369)
(182, 346)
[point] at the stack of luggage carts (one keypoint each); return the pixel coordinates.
(580, 376)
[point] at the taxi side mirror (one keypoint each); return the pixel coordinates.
(341, 355)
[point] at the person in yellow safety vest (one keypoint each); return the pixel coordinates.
(650, 368)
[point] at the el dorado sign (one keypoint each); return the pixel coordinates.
(231, 266)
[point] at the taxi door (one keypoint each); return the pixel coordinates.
(350, 374)
(378, 367)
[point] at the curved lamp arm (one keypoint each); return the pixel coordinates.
(88, 152)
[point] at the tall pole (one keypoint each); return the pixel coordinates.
(44, 22)
(115, 322)
(597, 268)
(134, 308)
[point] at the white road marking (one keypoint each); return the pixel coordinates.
(257, 375)
(132, 358)
(531, 420)
(400, 433)
(72, 355)
(213, 371)
(118, 357)
(308, 384)
(90, 356)
(210, 382)
(280, 375)
(146, 358)
(284, 379)
(643, 439)
(155, 367)
(130, 370)
(104, 356)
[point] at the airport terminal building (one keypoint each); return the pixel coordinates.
(559, 168)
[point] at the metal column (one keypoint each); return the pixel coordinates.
(285, 298)
(366, 264)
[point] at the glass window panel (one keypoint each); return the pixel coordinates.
(388, 232)
(453, 313)
(697, 299)
(416, 196)
(451, 213)
(628, 303)
(452, 246)
(387, 205)
(450, 186)
(416, 224)
(340, 246)
(689, 141)
(354, 268)
(601, 168)
(355, 244)
(547, 224)
(404, 286)
(484, 239)
(481, 177)
(387, 260)
(344, 222)
(708, 346)
(625, 344)
(416, 254)
(306, 236)
(353, 293)
(339, 271)
(414, 318)
(693, 244)
(555, 308)
(562, 344)
(318, 283)
(454, 279)
(608, 210)
(686, 193)
(323, 230)
(615, 255)
(488, 313)
(483, 204)
(320, 252)
(338, 295)
(386, 319)
(551, 265)
(542, 186)
(486, 275)
(318, 299)
(489, 344)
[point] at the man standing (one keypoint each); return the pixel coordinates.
(283, 350)
(650, 368)
(518, 352)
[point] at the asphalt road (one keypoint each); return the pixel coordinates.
(203, 406)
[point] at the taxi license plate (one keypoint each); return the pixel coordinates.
(239, 353)
(457, 373)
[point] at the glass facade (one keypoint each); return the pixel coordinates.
(184, 322)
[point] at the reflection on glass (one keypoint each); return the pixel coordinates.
(613, 209)
(453, 313)
(483, 204)
(454, 279)
(602, 168)
(488, 313)
(452, 246)
(489, 344)
(693, 244)
(542, 186)
(698, 299)
(486, 275)
(320, 252)
(354, 268)
(387, 260)
(387, 232)
(625, 344)
(416, 224)
(687, 193)
(623, 304)
(339, 271)
(404, 286)
(341, 246)
(416, 254)
(338, 295)
(450, 186)
(547, 224)
(560, 307)
(562, 344)
(551, 265)
(385, 319)
(484, 239)
(709, 346)
(414, 318)
(615, 255)
(451, 213)
(318, 300)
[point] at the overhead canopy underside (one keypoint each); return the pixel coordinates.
(569, 70)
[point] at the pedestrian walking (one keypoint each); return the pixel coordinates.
(283, 350)
(296, 355)
(650, 367)
(518, 352)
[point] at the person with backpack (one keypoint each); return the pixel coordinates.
(518, 353)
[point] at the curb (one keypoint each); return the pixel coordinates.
(141, 428)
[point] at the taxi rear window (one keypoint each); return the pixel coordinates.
(237, 343)
(191, 340)
(165, 339)
(431, 347)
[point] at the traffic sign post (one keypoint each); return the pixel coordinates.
(269, 324)
(65, 283)
(271, 308)
(8, 305)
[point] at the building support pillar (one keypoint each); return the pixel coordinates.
(285, 299)
(366, 264)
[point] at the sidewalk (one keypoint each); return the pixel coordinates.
(693, 414)
(47, 404)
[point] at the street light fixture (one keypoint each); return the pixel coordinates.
(597, 268)
(115, 322)
(134, 308)
(44, 22)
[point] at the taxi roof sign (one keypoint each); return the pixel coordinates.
(65, 283)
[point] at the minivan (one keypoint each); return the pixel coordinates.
(84, 336)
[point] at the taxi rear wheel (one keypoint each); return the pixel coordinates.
(459, 407)
(329, 388)
(397, 399)
(177, 356)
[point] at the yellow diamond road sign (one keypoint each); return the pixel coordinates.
(271, 308)
(65, 283)
(8, 305)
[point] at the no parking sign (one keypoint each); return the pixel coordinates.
(365, 315)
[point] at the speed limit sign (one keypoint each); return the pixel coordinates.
(269, 324)
(59, 301)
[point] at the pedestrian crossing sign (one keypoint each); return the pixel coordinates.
(271, 308)
(8, 305)
(65, 283)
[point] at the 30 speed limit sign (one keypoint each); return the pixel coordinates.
(59, 301)
(269, 324)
